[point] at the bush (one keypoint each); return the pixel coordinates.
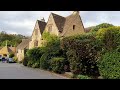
(35, 53)
(25, 61)
(81, 53)
(36, 65)
(109, 37)
(11, 55)
(20, 62)
(30, 63)
(57, 64)
(45, 61)
(103, 25)
(15, 59)
(83, 77)
(109, 65)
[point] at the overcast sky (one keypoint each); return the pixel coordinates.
(23, 22)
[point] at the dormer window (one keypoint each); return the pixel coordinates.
(36, 32)
(49, 28)
(36, 43)
(73, 27)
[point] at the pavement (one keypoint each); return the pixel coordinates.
(18, 71)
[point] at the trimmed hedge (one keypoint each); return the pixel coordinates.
(57, 64)
(81, 53)
(109, 65)
(44, 61)
(83, 77)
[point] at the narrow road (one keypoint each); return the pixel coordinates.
(18, 71)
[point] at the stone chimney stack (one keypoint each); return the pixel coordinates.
(43, 20)
(75, 12)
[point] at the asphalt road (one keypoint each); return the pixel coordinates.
(18, 71)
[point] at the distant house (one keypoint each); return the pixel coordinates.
(21, 49)
(7, 50)
(88, 29)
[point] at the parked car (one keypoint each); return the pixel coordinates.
(3, 59)
(10, 60)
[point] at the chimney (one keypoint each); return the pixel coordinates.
(75, 12)
(43, 20)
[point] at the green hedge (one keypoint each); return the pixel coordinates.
(44, 61)
(109, 37)
(81, 53)
(109, 65)
(83, 77)
(36, 65)
(57, 64)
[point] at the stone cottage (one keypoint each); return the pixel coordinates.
(37, 34)
(21, 49)
(6, 50)
(57, 25)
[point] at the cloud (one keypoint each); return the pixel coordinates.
(22, 22)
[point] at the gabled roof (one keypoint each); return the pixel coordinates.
(7, 50)
(24, 44)
(59, 21)
(41, 25)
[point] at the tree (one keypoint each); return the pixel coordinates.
(103, 25)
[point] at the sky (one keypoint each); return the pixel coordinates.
(23, 22)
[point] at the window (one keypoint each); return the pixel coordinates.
(36, 43)
(73, 27)
(49, 28)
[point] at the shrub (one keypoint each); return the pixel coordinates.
(36, 65)
(11, 55)
(57, 64)
(30, 63)
(109, 37)
(25, 61)
(81, 53)
(103, 25)
(109, 65)
(15, 59)
(20, 62)
(83, 77)
(35, 53)
(45, 61)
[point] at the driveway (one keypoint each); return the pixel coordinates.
(18, 71)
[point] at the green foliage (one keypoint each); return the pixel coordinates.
(35, 53)
(109, 38)
(30, 63)
(45, 61)
(11, 55)
(36, 65)
(57, 64)
(13, 40)
(83, 77)
(109, 65)
(50, 40)
(81, 54)
(103, 25)
(15, 59)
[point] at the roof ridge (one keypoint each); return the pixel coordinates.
(57, 15)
